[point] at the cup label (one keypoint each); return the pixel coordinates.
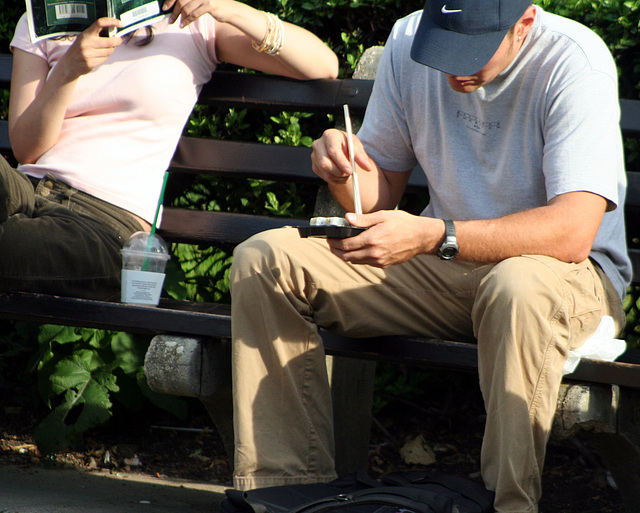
(141, 287)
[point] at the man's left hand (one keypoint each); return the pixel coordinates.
(392, 237)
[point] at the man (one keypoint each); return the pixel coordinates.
(512, 114)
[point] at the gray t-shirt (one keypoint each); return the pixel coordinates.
(547, 125)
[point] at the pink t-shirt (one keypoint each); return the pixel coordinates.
(126, 117)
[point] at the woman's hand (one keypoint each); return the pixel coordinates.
(90, 49)
(190, 10)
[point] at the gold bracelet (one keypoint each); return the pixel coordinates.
(273, 38)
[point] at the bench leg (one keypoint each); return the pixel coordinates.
(352, 395)
(620, 451)
(585, 406)
(194, 367)
(219, 406)
(186, 366)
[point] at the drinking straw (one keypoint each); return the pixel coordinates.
(155, 219)
(357, 205)
(160, 199)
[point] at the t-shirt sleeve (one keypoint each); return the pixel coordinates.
(22, 39)
(203, 31)
(582, 149)
(385, 133)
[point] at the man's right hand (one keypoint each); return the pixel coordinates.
(330, 157)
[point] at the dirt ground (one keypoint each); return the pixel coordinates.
(444, 426)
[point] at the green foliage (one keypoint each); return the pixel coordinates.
(213, 123)
(290, 131)
(8, 19)
(363, 23)
(79, 373)
(204, 271)
(4, 104)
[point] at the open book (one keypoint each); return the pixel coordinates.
(55, 18)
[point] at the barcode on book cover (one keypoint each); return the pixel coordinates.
(66, 11)
(140, 13)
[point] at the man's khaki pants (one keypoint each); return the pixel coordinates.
(526, 313)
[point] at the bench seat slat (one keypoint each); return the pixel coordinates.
(214, 320)
(464, 356)
(170, 316)
(6, 62)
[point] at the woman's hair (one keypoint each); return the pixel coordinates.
(145, 40)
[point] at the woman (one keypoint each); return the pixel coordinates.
(94, 122)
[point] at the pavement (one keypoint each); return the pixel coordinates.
(41, 490)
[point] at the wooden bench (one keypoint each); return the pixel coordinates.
(203, 330)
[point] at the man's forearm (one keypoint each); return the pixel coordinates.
(564, 229)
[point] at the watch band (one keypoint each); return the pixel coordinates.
(450, 230)
(449, 248)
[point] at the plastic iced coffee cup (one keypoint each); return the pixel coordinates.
(144, 258)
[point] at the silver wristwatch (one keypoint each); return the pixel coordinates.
(449, 248)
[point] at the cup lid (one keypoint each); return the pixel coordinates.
(144, 242)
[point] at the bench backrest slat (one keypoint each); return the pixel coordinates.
(6, 61)
(630, 117)
(231, 89)
(242, 159)
(219, 229)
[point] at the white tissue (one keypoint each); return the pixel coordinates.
(599, 346)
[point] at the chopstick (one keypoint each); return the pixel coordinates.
(357, 205)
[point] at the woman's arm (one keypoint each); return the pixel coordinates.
(39, 99)
(302, 55)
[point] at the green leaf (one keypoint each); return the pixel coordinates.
(129, 351)
(86, 383)
(50, 333)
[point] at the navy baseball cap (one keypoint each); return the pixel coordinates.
(459, 37)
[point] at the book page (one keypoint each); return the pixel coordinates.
(136, 13)
(54, 18)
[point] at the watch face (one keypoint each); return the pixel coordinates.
(449, 252)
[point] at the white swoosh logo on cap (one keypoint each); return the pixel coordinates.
(444, 10)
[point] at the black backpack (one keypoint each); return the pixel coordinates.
(400, 492)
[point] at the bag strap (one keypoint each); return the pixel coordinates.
(279, 499)
(239, 499)
(402, 497)
(471, 490)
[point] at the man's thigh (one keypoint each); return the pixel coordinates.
(424, 296)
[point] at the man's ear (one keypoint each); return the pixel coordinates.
(525, 22)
